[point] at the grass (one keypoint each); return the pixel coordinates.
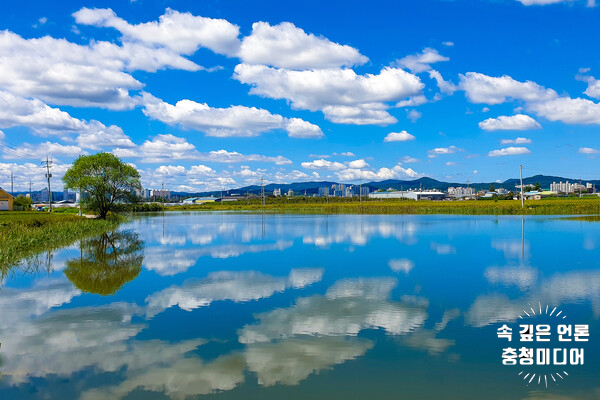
(23, 235)
(554, 206)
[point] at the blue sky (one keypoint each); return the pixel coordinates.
(217, 94)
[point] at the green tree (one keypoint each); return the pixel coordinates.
(104, 181)
(22, 201)
(538, 187)
(106, 262)
(492, 188)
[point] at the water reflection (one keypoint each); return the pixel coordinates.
(107, 262)
(271, 306)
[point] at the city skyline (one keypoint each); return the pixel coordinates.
(216, 95)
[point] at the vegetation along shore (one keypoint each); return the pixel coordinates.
(26, 234)
(554, 206)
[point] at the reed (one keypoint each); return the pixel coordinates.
(23, 235)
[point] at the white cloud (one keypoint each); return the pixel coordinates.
(225, 122)
(445, 86)
(481, 88)
(449, 44)
(519, 122)
(568, 110)
(588, 150)
(341, 94)
(384, 173)
(409, 159)
(359, 164)
(287, 46)
(45, 120)
(413, 115)
(509, 151)
(323, 164)
(450, 163)
(345, 154)
(444, 150)
(593, 89)
(41, 150)
(398, 137)
(183, 33)
(544, 102)
(519, 140)
(168, 147)
(422, 62)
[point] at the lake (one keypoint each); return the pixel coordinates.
(249, 306)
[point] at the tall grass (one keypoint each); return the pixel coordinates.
(559, 206)
(23, 235)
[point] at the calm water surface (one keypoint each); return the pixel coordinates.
(236, 306)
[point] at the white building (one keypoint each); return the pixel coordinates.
(411, 195)
(566, 187)
(461, 191)
(277, 192)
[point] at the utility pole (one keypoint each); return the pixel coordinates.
(580, 190)
(12, 184)
(48, 176)
(401, 193)
(262, 190)
(522, 198)
(360, 191)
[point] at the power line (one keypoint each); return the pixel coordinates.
(48, 176)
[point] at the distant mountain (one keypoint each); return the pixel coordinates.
(425, 183)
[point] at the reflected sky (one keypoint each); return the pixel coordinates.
(236, 306)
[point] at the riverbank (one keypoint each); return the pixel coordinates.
(23, 235)
(554, 206)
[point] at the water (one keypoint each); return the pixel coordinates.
(241, 306)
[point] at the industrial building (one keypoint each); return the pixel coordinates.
(410, 195)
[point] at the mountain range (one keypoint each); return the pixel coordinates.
(425, 183)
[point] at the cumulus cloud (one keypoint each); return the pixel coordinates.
(509, 151)
(409, 159)
(323, 164)
(341, 94)
(182, 33)
(41, 150)
(287, 46)
(225, 122)
(480, 88)
(359, 164)
(519, 122)
(384, 173)
(588, 150)
(421, 62)
(519, 140)
(169, 147)
(402, 136)
(568, 110)
(45, 121)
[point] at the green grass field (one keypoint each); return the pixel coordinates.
(553, 206)
(23, 235)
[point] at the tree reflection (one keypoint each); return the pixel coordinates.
(107, 262)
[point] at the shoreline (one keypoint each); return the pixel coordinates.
(564, 206)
